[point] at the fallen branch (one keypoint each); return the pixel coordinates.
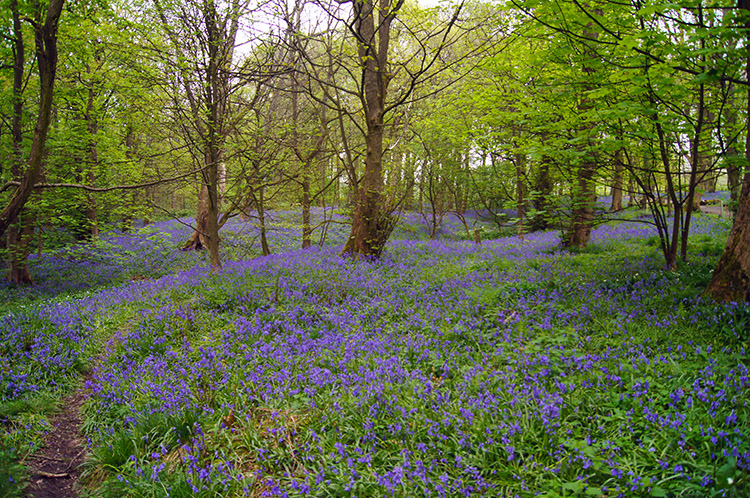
(47, 475)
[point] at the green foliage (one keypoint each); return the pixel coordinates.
(12, 474)
(22, 426)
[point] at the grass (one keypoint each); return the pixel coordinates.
(447, 368)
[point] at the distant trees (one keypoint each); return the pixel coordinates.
(508, 111)
(200, 47)
(381, 79)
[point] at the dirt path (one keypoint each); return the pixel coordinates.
(54, 469)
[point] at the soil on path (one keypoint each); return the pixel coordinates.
(54, 469)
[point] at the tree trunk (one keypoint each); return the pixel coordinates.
(370, 225)
(92, 210)
(731, 278)
(19, 233)
(19, 237)
(45, 36)
(734, 161)
(584, 200)
(617, 183)
(693, 199)
(372, 222)
(199, 239)
(520, 160)
(261, 206)
(212, 220)
(584, 192)
(541, 202)
(409, 181)
(208, 93)
(306, 228)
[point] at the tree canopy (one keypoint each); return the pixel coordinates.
(527, 111)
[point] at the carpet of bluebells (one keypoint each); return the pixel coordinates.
(446, 368)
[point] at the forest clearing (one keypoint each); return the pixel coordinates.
(446, 368)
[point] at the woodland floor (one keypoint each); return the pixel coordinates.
(55, 469)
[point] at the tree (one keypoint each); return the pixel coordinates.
(309, 121)
(382, 84)
(372, 223)
(202, 40)
(731, 277)
(45, 41)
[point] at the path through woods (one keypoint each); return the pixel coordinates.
(55, 468)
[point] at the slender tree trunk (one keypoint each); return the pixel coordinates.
(306, 227)
(617, 183)
(92, 210)
(669, 241)
(693, 182)
(632, 198)
(731, 278)
(212, 220)
(45, 36)
(261, 206)
(706, 173)
(543, 187)
(520, 160)
(247, 204)
(584, 192)
(19, 60)
(336, 202)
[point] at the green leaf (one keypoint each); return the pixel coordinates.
(575, 486)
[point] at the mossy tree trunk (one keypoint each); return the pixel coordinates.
(372, 222)
(18, 225)
(731, 278)
(617, 183)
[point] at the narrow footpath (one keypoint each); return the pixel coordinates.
(55, 468)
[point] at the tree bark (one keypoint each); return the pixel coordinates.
(734, 160)
(731, 278)
(584, 200)
(372, 222)
(92, 210)
(584, 192)
(306, 204)
(261, 206)
(617, 183)
(520, 160)
(543, 186)
(19, 237)
(199, 239)
(45, 37)
(698, 160)
(19, 232)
